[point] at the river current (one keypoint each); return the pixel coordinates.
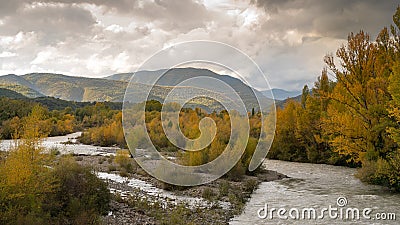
(318, 186)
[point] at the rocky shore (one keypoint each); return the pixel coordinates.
(213, 203)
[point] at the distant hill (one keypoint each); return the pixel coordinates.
(112, 88)
(24, 90)
(120, 77)
(58, 104)
(175, 76)
(281, 103)
(16, 80)
(19, 85)
(80, 89)
(280, 94)
(11, 94)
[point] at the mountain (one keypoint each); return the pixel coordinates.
(120, 77)
(112, 88)
(80, 89)
(175, 76)
(280, 94)
(19, 85)
(16, 80)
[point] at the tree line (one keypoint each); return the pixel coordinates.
(59, 121)
(354, 118)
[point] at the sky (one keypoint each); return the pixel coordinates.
(95, 38)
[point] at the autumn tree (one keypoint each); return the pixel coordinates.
(357, 116)
(25, 178)
(286, 145)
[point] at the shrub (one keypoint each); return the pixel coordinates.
(237, 172)
(110, 159)
(80, 196)
(250, 185)
(101, 160)
(384, 172)
(123, 159)
(224, 187)
(208, 194)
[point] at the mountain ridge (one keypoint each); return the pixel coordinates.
(112, 88)
(280, 94)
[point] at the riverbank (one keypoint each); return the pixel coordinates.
(213, 203)
(141, 199)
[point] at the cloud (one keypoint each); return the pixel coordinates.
(328, 18)
(55, 22)
(120, 63)
(287, 38)
(7, 54)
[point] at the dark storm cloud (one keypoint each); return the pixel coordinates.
(334, 18)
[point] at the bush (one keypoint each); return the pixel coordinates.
(54, 151)
(101, 160)
(123, 159)
(110, 159)
(81, 196)
(67, 194)
(224, 187)
(250, 185)
(208, 194)
(384, 172)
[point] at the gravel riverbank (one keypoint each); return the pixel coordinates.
(141, 199)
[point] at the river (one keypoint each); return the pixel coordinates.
(310, 186)
(67, 145)
(317, 186)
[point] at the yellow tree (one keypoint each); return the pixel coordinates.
(24, 176)
(286, 145)
(357, 116)
(394, 108)
(392, 165)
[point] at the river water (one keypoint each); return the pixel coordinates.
(66, 145)
(317, 186)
